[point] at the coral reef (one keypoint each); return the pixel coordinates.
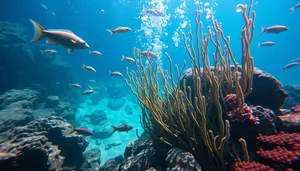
(292, 119)
(267, 91)
(251, 166)
(16, 108)
(91, 160)
(286, 152)
(239, 115)
(180, 160)
(44, 144)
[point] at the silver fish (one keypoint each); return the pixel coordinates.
(148, 53)
(48, 51)
(95, 52)
(265, 44)
(116, 73)
(296, 60)
(276, 29)
(290, 65)
(88, 91)
(88, 68)
(65, 38)
(127, 59)
(75, 85)
(119, 30)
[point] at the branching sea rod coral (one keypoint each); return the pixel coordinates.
(187, 111)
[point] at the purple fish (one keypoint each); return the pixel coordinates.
(84, 131)
(122, 128)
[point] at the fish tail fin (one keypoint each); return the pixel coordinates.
(292, 9)
(83, 66)
(90, 52)
(123, 57)
(111, 31)
(109, 72)
(262, 30)
(42, 52)
(39, 31)
(114, 129)
(258, 45)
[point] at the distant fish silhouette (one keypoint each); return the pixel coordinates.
(122, 128)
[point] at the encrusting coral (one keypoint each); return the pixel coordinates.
(189, 113)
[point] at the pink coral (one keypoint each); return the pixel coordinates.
(251, 166)
(235, 114)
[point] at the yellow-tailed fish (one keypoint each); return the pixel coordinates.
(65, 38)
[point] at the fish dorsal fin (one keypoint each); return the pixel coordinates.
(119, 27)
(62, 30)
(51, 41)
(90, 88)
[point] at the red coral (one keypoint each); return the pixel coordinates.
(235, 114)
(296, 109)
(287, 150)
(251, 166)
(231, 102)
(281, 155)
(281, 139)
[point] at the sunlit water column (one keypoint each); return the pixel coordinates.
(184, 9)
(153, 28)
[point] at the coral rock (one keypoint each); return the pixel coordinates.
(52, 101)
(111, 164)
(44, 144)
(116, 104)
(292, 119)
(91, 160)
(294, 96)
(97, 117)
(178, 160)
(235, 114)
(267, 91)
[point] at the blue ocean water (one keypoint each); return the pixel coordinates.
(159, 34)
(84, 19)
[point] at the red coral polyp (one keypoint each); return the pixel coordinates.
(280, 155)
(251, 166)
(235, 114)
(231, 102)
(282, 139)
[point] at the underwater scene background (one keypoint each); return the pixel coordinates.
(149, 85)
